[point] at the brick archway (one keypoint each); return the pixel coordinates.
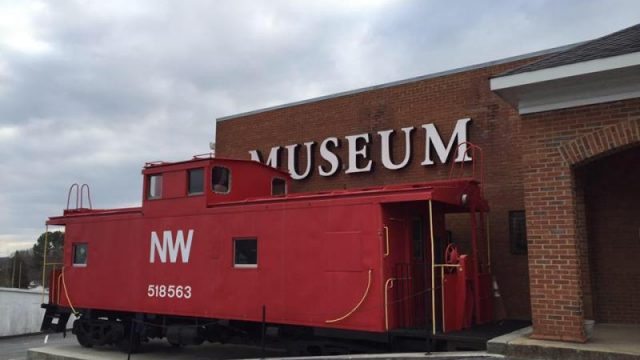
(606, 228)
(556, 145)
(576, 154)
(601, 142)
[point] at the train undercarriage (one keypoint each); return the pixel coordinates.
(129, 331)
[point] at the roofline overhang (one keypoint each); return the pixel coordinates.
(584, 83)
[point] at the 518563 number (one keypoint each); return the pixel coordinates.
(169, 291)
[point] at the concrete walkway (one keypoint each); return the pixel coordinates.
(154, 349)
(609, 341)
(160, 350)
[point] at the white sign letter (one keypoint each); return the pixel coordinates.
(155, 245)
(291, 160)
(272, 160)
(329, 156)
(354, 153)
(179, 246)
(459, 136)
(386, 148)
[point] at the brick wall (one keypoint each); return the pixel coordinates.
(495, 126)
(554, 144)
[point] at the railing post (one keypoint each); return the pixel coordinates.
(44, 258)
(433, 278)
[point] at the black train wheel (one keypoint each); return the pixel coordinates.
(130, 340)
(81, 330)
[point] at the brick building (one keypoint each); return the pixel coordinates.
(560, 133)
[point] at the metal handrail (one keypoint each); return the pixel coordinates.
(88, 195)
(69, 194)
(473, 148)
(209, 155)
(79, 196)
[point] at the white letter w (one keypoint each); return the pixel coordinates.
(173, 247)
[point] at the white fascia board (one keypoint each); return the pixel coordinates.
(582, 90)
(565, 71)
(530, 109)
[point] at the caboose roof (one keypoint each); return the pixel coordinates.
(154, 167)
(444, 191)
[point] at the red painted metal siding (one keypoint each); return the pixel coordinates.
(313, 261)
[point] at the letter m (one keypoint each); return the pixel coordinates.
(459, 136)
(168, 245)
(272, 160)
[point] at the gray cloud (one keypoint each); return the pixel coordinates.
(89, 91)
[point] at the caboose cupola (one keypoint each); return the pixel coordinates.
(208, 181)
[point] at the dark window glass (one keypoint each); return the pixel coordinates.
(221, 180)
(196, 181)
(278, 187)
(518, 232)
(155, 187)
(79, 254)
(417, 237)
(245, 252)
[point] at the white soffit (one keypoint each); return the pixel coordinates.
(578, 84)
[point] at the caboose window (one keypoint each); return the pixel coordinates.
(221, 180)
(155, 187)
(245, 253)
(196, 181)
(278, 187)
(79, 254)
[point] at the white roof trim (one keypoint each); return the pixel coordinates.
(565, 71)
(525, 109)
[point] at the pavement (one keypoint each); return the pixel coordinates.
(154, 349)
(160, 350)
(609, 342)
(15, 348)
(33, 347)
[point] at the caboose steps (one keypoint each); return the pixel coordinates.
(55, 318)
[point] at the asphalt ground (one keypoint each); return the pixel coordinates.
(15, 348)
(57, 347)
(153, 350)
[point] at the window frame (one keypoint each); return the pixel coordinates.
(228, 181)
(233, 260)
(518, 246)
(196, 193)
(74, 247)
(150, 178)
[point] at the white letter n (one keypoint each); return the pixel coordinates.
(156, 246)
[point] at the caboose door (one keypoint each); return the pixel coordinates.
(408, 263)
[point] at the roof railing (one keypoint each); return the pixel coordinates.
(209, 155)
(154, 163)
(79, 196)
(458, 171)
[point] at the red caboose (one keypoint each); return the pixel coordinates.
(219, 245)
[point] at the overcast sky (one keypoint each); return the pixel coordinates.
(90, 90)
